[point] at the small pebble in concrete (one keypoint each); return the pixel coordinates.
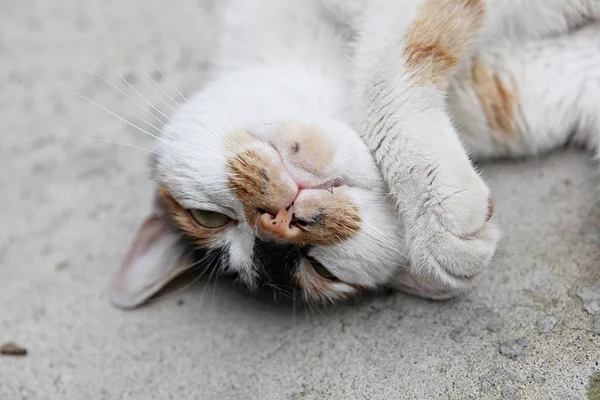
(546, 324)
(590, 296)
(499, 381)
(509, 394)
(494, 324)
(485, 386)
(131, 78)
(61, 265)
(539, 378)
(513, 348)
(11, 349)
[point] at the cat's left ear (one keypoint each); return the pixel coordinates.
(154, 259)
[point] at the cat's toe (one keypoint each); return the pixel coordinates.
(464, 258)
(462, 203)
(463, 233)
(449, 265)
(453, 243)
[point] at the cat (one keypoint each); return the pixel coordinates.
(330, 152)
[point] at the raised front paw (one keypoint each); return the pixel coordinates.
(452, 235)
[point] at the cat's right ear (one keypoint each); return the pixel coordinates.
(154, 259)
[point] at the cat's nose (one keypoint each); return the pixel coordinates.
(280, 225)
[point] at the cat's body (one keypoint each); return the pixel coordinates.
(310, 100)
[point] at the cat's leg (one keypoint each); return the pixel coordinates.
(405, 58)
(525, 99)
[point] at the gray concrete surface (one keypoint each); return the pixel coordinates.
(69, 206)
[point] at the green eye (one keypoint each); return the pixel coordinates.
(209, 219)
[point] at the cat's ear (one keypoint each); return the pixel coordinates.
(154, 259)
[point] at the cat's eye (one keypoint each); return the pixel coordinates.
(322, 271)
(209, 219)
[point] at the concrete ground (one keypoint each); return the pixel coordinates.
(70, 205)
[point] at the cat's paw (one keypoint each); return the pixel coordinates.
(452, 236)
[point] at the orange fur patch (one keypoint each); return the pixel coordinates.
(203, 237)
(307, 145)
(256, 184)
(497, 101)
(439, 37)
(336, 218)
(237, 140)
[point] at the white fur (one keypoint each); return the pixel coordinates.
(416, 139)
(284, 60)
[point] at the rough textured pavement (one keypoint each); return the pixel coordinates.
(70, 205)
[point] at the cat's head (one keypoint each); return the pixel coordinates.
(292, 204)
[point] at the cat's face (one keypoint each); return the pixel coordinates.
(288, 205)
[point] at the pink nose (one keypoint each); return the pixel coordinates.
(280, 226)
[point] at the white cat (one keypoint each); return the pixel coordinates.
(327, 152)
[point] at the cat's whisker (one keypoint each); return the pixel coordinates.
(132, 99)
(279, 289)
(121, 118)
(133, 146)
(130, 61)
(294, 330)
(170, 83)
(391, 244)
(381, 258)
(134, 89)
(214, 291)
(146, 76)
(208, 184)
(207, 260)
(130, 58)
(377, 255)
(377, 240)
(185, 287)
(120, 76)
(306, 309)
(176, 104)
(220, 267)
(212, 272)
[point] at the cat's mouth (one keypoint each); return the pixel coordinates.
(287, 269)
